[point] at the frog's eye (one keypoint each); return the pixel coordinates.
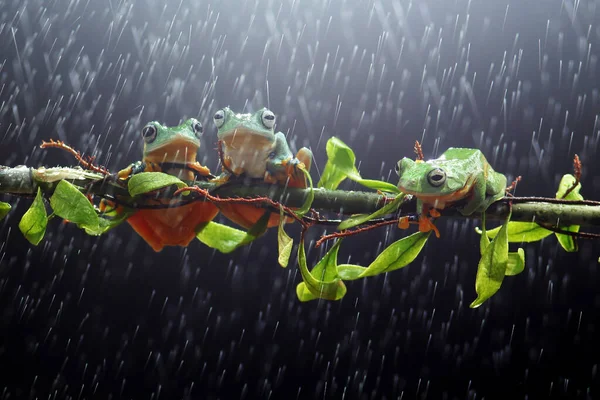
(436, 177)
(397, 167)
(268, 119)
(149, 133)
(219, 118)
(197, 127)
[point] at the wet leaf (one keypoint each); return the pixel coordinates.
(225, 238)
(145, 182)
(492, 265)
(222, 237)
(107, 223)
(69, 203)
(4, 209)
(350, 272)
(340, 164)
(379, 185)
(284, 241)
(516, 262)
(362, 218)
(520, 232)
(323, 281)
(309, 199)
(397, 255)
(568, 242)
(34, 221)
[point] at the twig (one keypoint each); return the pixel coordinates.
(577, 174)
(87, 164)
(346, 232)
(419, 151)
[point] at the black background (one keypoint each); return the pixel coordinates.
(96, 318)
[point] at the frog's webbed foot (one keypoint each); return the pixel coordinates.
(221, 179)
(425, 223)
(200, 169)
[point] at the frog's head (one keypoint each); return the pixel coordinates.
(172, 144)
(230, 124)
(433, 178)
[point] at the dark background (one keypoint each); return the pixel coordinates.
(97, 318)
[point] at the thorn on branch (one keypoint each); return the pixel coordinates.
(576, 174)
(216, 199)
(419, 151)
(346, 232)
(86, 162)
(513, 186)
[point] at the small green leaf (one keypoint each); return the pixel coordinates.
(397, 255)
(521, 232)
(492, 266)
(340, 164)
(309, 199)
(222, 237)
(284, 241)
(567, 183)
(362, 218)
(70, 204)
(323, 281)
(516, 262)
(145, 182)
(350, 272)
(34, 221)
(379, 185)
(105, 224)
(4, 209)
(568, 242)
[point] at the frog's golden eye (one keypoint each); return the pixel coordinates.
(268, 119)
(149, 133)
(219, 118)
(197, 127)
(436, 177)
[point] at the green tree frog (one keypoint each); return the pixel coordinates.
(250, 148)
(460, 178)
(171, 150)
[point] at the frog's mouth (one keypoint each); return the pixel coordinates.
(178, 149)
(443, 198)
(242, 137)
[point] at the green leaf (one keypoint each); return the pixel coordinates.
(284, 241)
(34, 221)
(145, 182)
(516, 262)
(225, 238)
(323, 281)
(350, 272)
(397, 255)
(379, 185)
(520, 232)
(309, 199)
(106, 224)
(4, 209)
(70, 204)
(222, 237)
(340, 164)
(492, 266)
(567, 183)
(362, 218)
(568, 242)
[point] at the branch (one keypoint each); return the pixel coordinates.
(24, 181)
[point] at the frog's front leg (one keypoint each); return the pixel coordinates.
(282, 166)
(477, 199)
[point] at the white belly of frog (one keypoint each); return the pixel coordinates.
(249, 160)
